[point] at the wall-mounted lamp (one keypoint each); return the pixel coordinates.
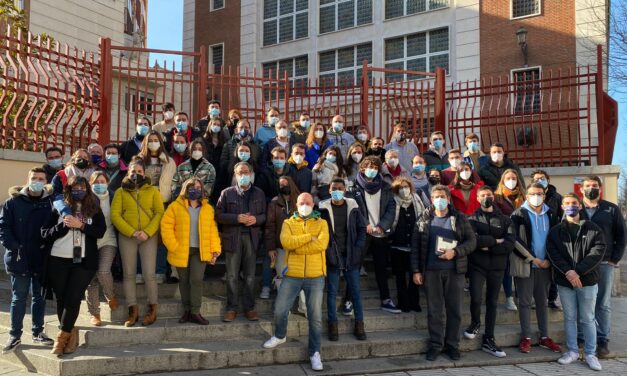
(521, 36)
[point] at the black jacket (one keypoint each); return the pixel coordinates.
(129, 149)
(434, 160)
(489, 227)
(50, 172)
(466, 240)
(609, 218)
(491, 173)
(268, 180)
(554, 200)
(229, 206)
(387, 206)
(584, 258)
(355, 239)
(303, 177)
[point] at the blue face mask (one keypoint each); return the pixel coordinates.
(36, 186)
(214, 112)
(243, 156)
(473, 146)
(180, 148)
(181, 126)
(55, 163)
(418, 168)
(543, 182)
(338, 127)
(273, 120)
(112, 159)
(278, 163)
(331, 158)
(438, 144)
(305, 124)
(216, 128)
(337, 195)
(243, 133)
(99, 188)
(371, 173)
(440, 203)
(243, 180)
(142, 130)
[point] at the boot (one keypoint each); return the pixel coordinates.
(60, 342)
(151, 316)
(96, 320)
(360, 332)
(333, 336)
(113, 303)
(132, 315)
(72, 343)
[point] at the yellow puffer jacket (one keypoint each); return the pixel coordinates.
(305, 258)
(128, 217)
(175, 232)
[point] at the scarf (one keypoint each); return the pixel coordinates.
(466, 185)
(394, 172)
(514, 196)
(371, 187)
(405, 202)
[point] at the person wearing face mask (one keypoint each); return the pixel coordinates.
(242, 153)
(214, 110)
(435, 176)
(159, 167)
(268, 178)
(268, 130)
(72, 257)
(553, 198)
(492, 171)
(305, 238)
(300, 128)
(215, 140)
(190, 233)
(338, 136)
(376, 202)
(179, 149)
(437, 156)
(229, 154)
(487, 265)
(441, 242)
(409, 207)
(241, 210)
(329, 167)
(182, 127)
(420, 179)
(473, 154)
(509, 194)
(130, 148)
(302, 176)
(608, 217)
(575, 248)
(356, 153)
(530, 267)
(455, 160)
(405, 149)
(96, 153)
(195, 167)
(112, 166)
(164, 126)
(347, 232)
(54, 162)
(464, 190)
(391, 168)
(107, 249)
(376, 148)
(78, 165)
(283, 139)
(136, 212)
(233, 118)
(317, 143)
(363, 136)
(22, 216)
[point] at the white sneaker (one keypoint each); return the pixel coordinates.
(316, 362)
(363, 272)
(510, 305)
(265, 293)
(568, 357)
(593, 362)
(160, 278)
(274, 342)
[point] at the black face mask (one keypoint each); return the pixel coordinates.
(234, 122)
(487, 202)
(591, 193)
(81, 163)
(285, 190)
(434, 180)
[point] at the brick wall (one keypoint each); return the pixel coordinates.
(219, 26)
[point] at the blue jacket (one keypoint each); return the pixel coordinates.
(314, 152)
(355, 239)
(21, 220)
(264, 134)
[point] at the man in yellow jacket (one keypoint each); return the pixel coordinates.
(305, 237)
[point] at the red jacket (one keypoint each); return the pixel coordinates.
(457, 198)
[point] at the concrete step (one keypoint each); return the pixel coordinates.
(170, 357)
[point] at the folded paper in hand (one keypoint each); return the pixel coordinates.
(443, 243)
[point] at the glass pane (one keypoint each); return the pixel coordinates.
(286, 29)
(300, 66)
(419, 65)
(346, 78)
(394, 48)
(269, 32)
(286, 7)
(267, 67)
(393, 8)
(327, 61)
(346, 57)
(322, 2)
(302, 25)
(416, 6)
(391, 77)
(346, 15)
(302, 5)
(437, 4)
(438, 61)
(327, 19)
(522, 8)
(327, 80)
(269, 8)
(438, 40)
(286, 65)
(364, 52)
(416, 44)
(364, 12)
(218, 4)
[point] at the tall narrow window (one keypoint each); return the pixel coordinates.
(217, 58)
(527, 98)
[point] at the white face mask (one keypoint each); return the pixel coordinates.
(363, 137)
(281, 132)
(496, 157)
(305, 210)
(455, 162)
(465, 175)
(319, 134)
(168, 115)
(357, 157)
(536, 200)
(511, 184)
(404, 192)
(393, 162)
(298, 158)
(197, 154)
(154, 146)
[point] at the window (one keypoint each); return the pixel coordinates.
(525, 8)
(134, 17)
(418, 52)
(342, 67)
(296, 69)
(217, 4)
(527, 91)
(216, 60)
(399, 8)
(140, 102)
(19, 4)
(284, 20)
(343, 14)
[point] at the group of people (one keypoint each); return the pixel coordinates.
(312, 201)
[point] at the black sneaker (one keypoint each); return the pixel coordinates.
(554, 306)
(472, 331)
(491, 348)
(43, 339)
(432, 354)
(12, 343)
(452, 353)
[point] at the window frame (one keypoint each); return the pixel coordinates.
(291, 79)
(511, 11)
(515, 91)
(356, 64)
(355, 12)
(212, 7)
(277, 20)
(405, 14)
(211, 64)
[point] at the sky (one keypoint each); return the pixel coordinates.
(165, 31)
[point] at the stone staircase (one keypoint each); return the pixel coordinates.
(168, 346)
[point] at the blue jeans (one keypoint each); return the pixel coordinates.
(289, 290)
(352, 284)
(20, 286)
(603, 312)
(579, 302)
(266, 270)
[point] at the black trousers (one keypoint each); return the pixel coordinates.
(406, 289)
(68, 282)
(553, 292)
(492, 280)
(444, 289)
